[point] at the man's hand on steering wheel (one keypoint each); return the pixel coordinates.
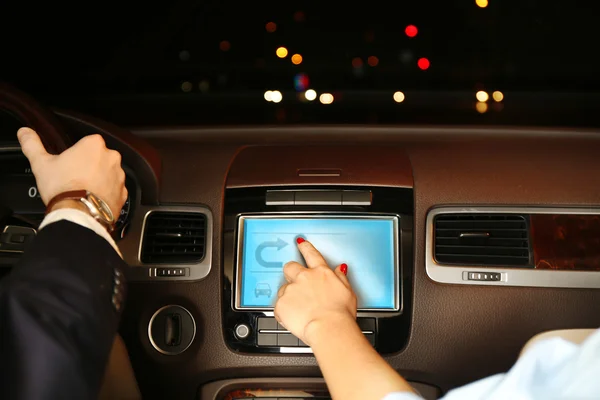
(88, 165)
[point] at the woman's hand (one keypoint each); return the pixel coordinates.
(314, 297)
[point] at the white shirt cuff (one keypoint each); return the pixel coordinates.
(80, 218)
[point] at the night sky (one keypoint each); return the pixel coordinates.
(224, 52)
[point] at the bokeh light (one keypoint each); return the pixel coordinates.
(498, 96)
(301, 82)
(186, 86)
(357, 62)
(423, 63)
(310, 95)
(481, 3)
(299, 16)
(204, 86)
(276, 96)
(399, 97)
(281, 52)
(482, 96)
(268, 95)
(411, 31)
(225, 45)
(271, 27)
(297, 59)
(326, 98)
(373, 61)
(481, 107)
(184, 55)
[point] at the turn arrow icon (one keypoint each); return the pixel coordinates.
(279, 244)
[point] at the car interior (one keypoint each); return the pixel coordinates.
(452, 162)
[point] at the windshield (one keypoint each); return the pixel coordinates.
(217, 62)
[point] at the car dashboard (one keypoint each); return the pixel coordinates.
(495, 242)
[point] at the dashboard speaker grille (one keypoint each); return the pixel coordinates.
(174, 238)
(482, 239)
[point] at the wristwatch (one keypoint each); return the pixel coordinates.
(97, 207)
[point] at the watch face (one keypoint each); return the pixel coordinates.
(103, 208)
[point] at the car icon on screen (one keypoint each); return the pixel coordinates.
(262, 289)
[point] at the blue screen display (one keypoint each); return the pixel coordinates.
(366, 245)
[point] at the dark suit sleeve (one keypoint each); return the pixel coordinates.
(59, 313)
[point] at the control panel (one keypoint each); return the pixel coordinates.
(256, 223)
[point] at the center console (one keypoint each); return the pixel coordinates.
(369, 228)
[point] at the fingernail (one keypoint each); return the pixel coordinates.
(344, 269)
(300, 240)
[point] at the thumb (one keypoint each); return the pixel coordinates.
(31, 145)
(341, 272)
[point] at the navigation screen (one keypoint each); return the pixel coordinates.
(366, 244)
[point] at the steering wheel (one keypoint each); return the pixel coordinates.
(35, 116)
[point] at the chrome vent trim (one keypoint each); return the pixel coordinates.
(173, 238)
(509, 275)
(132, 244)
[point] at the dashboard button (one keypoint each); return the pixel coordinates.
(264, 339)
(265, 323)
(366, 324)
(279, 198)
(356, 198)
(287, 340)
(242, 331)
(318, 198)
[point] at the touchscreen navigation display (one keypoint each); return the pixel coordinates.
(368, 244)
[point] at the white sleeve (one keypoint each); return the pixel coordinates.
(402, 396)
(80, 218)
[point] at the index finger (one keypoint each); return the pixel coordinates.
(311, 255)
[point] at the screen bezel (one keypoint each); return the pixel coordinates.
(395, 218)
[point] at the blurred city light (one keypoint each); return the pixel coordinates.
(271, 27)
(481, 3)
(204, 86)
(399, 97)
(296, 59)
(423, 63)
(276, 96)
(310, 95)
(498, 96)
(411, 31)
(184, 55)
(299, 16)
(326, 98)
(482, 96)
(269, 95)
(281, 52)
(301, 82)
(357, 62)
(481, 107)
(373, 61)
(225, 45)
(186, 86)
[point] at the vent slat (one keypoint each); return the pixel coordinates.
(482, 239)
(174, 238)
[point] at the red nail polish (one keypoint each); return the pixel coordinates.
(300, 240)
(344, 269)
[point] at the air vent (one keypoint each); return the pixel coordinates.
(174, 238)
(482, 239)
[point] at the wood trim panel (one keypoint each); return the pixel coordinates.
(325, 165)
(566, 242)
